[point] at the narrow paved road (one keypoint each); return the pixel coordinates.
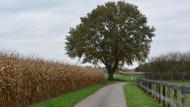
(109, 96)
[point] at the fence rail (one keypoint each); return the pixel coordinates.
(167, 75)
(139, 74)
(165, 92)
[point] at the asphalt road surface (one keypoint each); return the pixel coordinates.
(109, 96)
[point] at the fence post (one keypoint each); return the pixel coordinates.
(183, 100)
(183, 97)
(159, 90)
(163, 93)
(153, 89)
(175, 95)
(147, 86)
(156, 90)
(150, 87)
(168, 95)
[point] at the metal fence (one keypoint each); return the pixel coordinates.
(169, 94)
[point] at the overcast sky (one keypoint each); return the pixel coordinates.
(39, 26)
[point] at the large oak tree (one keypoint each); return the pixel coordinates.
(111, 34)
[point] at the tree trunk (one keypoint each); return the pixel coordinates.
(110, 76)
(111, 70)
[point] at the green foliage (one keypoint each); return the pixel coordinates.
(135, 97)
(72, 98)
(111, 34)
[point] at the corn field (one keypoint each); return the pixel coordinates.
(27, 80)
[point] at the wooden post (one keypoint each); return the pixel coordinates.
(147, 86)
(184, 90)
(150, 87)
(153, 89)
(156, 91)
(175, 96)
(183, 100)
(168, 95)
(164, 94)
(159, 89)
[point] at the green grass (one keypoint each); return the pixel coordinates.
(72, 98)
(125, 77)
(135, 97)
(121, 77)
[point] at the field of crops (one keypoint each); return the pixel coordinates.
(27, 80)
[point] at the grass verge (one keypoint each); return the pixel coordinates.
(135, 97)
(121, 77)
(72, 98)
(128, 78)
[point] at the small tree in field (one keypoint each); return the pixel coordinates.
(111, 34)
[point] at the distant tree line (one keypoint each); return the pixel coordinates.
(174, 65)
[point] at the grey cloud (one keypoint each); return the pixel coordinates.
(22, 5)
(40, 26)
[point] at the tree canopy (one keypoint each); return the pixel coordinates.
(114, 33)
